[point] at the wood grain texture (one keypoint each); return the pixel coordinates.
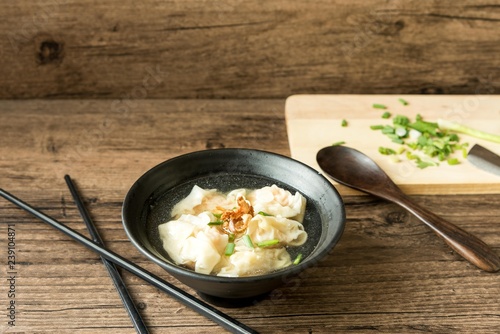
(246, 49)
(389, 273)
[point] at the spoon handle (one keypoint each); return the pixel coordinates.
(468, 246)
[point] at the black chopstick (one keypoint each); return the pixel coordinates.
(200, 306)
(120, 286)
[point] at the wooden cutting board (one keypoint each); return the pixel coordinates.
(314, 121)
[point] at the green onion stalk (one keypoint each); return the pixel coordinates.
(457, 127)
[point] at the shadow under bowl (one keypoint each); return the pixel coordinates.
(152, 197)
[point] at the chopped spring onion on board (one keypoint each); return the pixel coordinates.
(379, 106)
(403, 102)
(432, 139)
(386, 150)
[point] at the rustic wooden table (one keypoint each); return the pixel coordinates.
(389, 273)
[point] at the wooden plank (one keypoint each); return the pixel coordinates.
(314, 121)
(82, 136)
(240, 49)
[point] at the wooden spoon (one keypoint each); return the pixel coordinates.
(354, 169)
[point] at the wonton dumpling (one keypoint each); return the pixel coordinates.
(198, 201)
(191, 242)
(234, 194)
(287, 231)
(249, 262)
(278, 202)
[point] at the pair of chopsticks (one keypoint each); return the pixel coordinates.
(132, 311)
(194, 303)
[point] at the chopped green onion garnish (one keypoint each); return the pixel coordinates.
(394, 159)
(344, 123)
(298, 259)
(464, 152)
(379, 106)
(400, 131)
(431, 139)
(217, 215)
(423, 164)
(386, 115)
(229, 249)
(267, 243)
(248, 241)
(386, 150)
(403, 102)
(410, 156)
(400, 120)
(262, 213)
(338, 143)
(454, 137)
(392, 136)
(427, 127)
(439, 143)
(231, 237)
(218, 222)
(387, 129)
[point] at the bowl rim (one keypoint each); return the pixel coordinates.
(179, 270)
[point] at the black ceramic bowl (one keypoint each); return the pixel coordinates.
(151, 198)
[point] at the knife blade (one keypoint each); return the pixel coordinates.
(484, 159)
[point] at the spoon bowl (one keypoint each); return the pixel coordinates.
(356, 170)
